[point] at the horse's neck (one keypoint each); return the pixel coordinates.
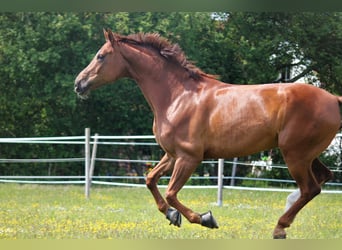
(160, 92)
(159, 86)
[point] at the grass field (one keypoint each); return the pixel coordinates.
(62, 212)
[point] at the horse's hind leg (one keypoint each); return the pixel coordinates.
(321, 172)
(303, 174)
(322, 175)
(165, 165)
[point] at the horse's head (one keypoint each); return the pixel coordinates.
(106, 67)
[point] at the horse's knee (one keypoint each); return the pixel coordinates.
(150, 182)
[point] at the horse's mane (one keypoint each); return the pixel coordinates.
(167, 50)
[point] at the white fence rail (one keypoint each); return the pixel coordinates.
(90, 160)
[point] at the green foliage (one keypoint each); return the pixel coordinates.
(41, 53)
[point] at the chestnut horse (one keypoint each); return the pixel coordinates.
(198, 117)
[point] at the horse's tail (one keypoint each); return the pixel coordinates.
(340, 102)
(339, 99)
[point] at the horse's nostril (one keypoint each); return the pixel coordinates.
(77, 87)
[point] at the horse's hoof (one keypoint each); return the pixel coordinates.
(279, 233)
(208, 220)
(279, 237)
(174, 217)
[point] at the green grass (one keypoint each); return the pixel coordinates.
(62, 212)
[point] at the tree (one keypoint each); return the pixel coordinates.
(311, 42)
(41, 54)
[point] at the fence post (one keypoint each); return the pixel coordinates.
(232, 180)
(87, 161)
(93, 157)
(220, 182)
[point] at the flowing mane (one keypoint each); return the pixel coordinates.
(171, 52)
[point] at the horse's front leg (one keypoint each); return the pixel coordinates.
(165, 165)
(183, 169)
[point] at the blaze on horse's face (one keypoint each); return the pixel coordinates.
(106, 67)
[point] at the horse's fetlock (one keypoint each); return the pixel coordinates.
(163, 208)
(283, 223)
(194, 218)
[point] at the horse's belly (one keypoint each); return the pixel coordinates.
(237, 150)
(243, 143)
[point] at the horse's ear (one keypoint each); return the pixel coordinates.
(105, 33)
(110, 36)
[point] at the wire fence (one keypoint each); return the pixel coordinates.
(90, 160)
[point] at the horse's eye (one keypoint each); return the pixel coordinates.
(100, 57)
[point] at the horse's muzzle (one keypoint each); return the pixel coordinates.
(78, 87)
(81, 88)
(80, 83)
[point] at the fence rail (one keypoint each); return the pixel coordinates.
(90, 159)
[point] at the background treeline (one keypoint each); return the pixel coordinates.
(42, 53)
